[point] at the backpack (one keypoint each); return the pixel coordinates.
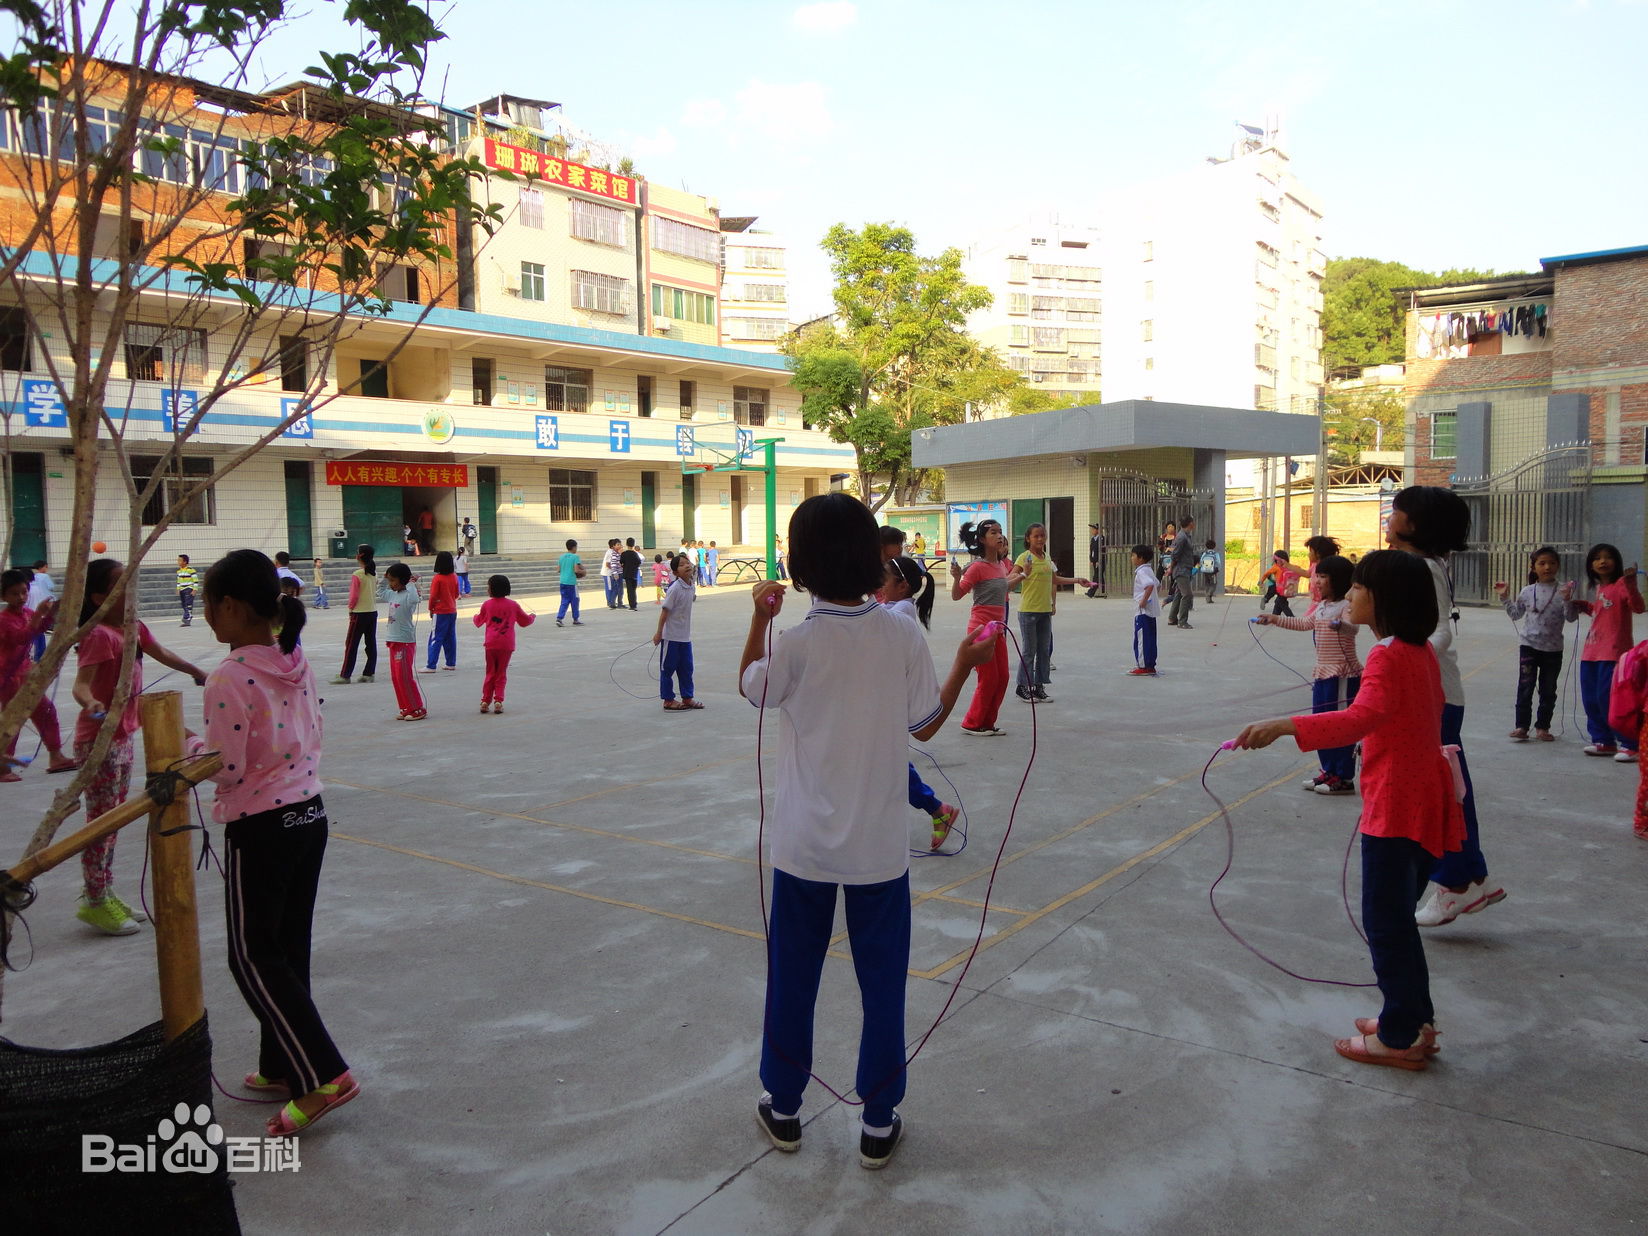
(1630, 691)
(1210, 561)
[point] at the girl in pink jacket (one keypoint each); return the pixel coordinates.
(263, 717)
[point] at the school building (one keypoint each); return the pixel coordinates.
(1129, 466)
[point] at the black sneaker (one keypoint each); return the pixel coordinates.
(785, 1133)
(1042, 697)
(873, 1152)
(1023, 693)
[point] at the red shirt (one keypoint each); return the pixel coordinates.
(103, 647)
(1407, 784)
(1610, 611)
(500, 616)
(17, 631)
(443, 594)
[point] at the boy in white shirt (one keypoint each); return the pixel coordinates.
(674, 638)
(1148, 606)
(850, 685)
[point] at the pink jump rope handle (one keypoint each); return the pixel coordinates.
(987, 632)
(1228, 744)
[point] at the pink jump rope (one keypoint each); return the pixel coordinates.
(987, 632)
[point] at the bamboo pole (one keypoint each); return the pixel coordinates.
(176, 922)
(110, 821)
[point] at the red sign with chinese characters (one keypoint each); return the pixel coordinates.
(453, 476)
(563, 173)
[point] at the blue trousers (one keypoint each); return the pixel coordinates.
(921, 794)
(677, 661)
(1036, 652)
(1464, 866)
(1393, 877)
(1144, 633)
(1325, 697)
(463, 584)
(569, 596)
(1596, 689)
(615, 589)
(443, 636)
(878, 925)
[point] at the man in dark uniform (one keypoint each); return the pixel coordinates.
(1095, 558)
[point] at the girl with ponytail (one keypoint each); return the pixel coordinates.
(263, 717)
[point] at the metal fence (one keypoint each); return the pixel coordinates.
(1545, 500)
(1134, 509)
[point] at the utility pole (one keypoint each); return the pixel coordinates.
(1319, 502)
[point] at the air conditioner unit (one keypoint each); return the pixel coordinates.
(512, 289)
(662, 324)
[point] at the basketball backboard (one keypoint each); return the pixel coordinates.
(715, 446)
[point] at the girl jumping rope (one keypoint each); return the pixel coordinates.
(908, 592)
(1614, 599)
(400, 638)
(1338, 674)
(499, 616)
(363, 617)
(1542, 607)
(443, 613)
(850, 684)
(988, 579)
(1433, 522)
(19, 628)
(262, 714)
(95, 686)
(1410, 815)
(1041, 576)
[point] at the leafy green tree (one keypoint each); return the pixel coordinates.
(248, 219)
(896, 358)
(1349, 411)
(1362, 315)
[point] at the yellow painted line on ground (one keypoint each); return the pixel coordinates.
(553, 888)
(1190, 830)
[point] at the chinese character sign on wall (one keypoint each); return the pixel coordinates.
(303, 427)
(563, 173)
(43, 406)
(370, 472)
(175, 406)
(549, 433)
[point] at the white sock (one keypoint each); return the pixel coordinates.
(873, 1131)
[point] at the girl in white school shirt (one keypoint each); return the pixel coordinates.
(850, 684)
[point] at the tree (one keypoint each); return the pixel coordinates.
(1348, 411)
(1362, 317)
(897, 357)
(153, 184)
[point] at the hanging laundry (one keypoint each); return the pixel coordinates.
(1539, 319)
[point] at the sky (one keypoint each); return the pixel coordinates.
(1439, 133)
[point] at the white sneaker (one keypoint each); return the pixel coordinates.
(1313, 782)
(1625, 757)
(1599, 748)
(1441, 905)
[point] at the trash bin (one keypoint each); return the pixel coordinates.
(340, 545)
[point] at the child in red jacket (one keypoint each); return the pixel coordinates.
(499, 616)
(1410, 810)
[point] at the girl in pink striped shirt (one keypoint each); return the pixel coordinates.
(1338, 673)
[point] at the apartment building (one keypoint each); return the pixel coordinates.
(1047, 317)
(533, 396)
(755, 285)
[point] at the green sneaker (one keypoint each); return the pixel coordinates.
(137, 916)
(364, 678)
(342, 680)
(106, 916)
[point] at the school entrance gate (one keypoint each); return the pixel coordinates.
(1544, 500)
(1133, 509)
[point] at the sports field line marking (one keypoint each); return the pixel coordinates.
(1184, 834)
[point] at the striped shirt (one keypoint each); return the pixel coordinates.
(1335, 639)
(187, 577)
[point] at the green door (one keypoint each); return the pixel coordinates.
(300, 536)
(649, 520)
(486, 494)
(1022, 513)
(28, 509)
(372, 516)
(689, 508)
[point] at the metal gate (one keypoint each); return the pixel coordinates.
(1133, 510)
(1545, 500)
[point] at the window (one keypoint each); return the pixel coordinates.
(1445, 435)
(1049, 339)
(1018, 270)
(480, 379)
(14, 338)
(1020, 336)
(532, 281)
(1147, 331)
(1082, 310)
(1257, 516)
(769, 293)
(532, 208)
(599, 293)
(156, 352)
(1018, 302)
(294, 363)
(1150, 362)
(1149, 251)
(571, 496)
(749, 405)
(398, 283)
(605, 225)
(673, 236)
(682, 305)
(1307, 511)
(1150, 289)
(168, 496)
(566, 390)
(755, 328)
(688, 399)
(764, 259)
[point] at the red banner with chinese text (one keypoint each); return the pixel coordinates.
(366, 472)
(563, 173)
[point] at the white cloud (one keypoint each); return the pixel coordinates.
(704, 114)
(783, 111)
(659, 145)
(830, 17)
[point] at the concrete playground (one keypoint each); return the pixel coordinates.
(539, 945)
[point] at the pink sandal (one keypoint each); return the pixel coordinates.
(290, 1120)
(257, 1081)
(1357, 1049)
(1427, 1033)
